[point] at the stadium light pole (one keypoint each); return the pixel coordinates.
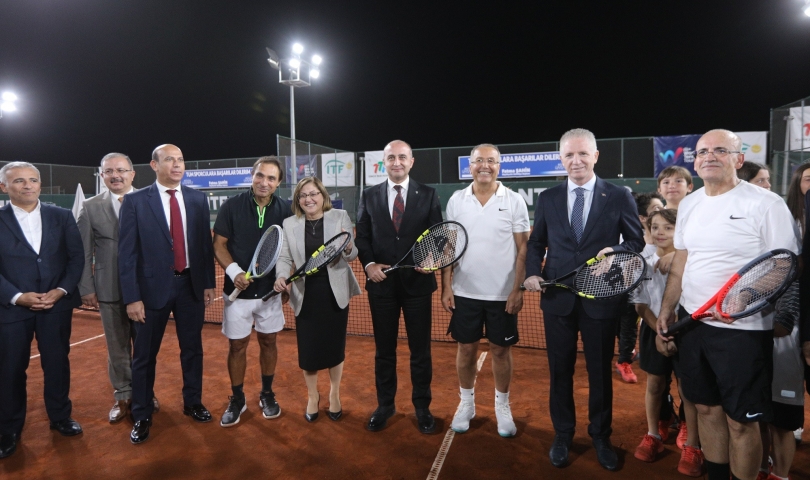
(294, 72)
(7, 104)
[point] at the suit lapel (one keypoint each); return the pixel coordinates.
(411, 204)
(300, 239)
(562, 211)
(598, 203)
(7, 216)
(155, 203)
(109, 211)
(382, 193)
(191, 208)
(48, 232)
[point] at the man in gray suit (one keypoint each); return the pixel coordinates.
(99, 286)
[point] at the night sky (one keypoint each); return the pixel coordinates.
(95, 76)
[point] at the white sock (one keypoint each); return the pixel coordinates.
(656, 435)
(501, 397)
(467, 394)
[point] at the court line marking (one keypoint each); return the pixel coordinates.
(74, 344)
(448, 438)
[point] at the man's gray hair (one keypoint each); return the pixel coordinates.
(485, 145)
(579, 133)
(115, 155)
(13, 165)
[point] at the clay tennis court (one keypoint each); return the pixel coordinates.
(289, 447)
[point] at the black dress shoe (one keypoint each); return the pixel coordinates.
(380, 418)
(311, 417)
(605, 454)
(198, 412)
(335, 416)
(559, 450)
(425, 421)
(140, 431)
(67, 427)
(8, 444)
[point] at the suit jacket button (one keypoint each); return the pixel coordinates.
(39, 260)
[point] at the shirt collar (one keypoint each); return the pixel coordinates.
(116, 196)
(404, 184)
(20, 211)
(588, 185)
(163, 189)
(501, 191)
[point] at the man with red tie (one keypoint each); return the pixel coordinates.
(166, 264)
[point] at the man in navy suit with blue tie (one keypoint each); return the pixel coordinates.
(579, 219)
(40, 267)
(166, 264)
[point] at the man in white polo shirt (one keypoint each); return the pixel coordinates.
(482, 290)
(726, 365)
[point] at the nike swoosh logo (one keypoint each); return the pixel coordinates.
(749, 415)
(509, 338)
(737, 218)
(502, 209)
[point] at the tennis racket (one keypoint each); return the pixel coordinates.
(265, 257)
(321, 257)
(610, 275)
(755, 286)
(437, 247)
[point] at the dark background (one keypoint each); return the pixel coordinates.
(95, 76)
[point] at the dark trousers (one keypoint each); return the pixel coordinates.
(53, 341)
(189, 313)
(561, 343)
(627, 332)
(385, 312)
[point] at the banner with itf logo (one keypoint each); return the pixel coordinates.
(675, 150)
(754, 146)
(337, 169)
(375, 168)
(799, 128)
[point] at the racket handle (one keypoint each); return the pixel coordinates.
(679, 325)
(237, 291)
(269, 296)
(389, 269)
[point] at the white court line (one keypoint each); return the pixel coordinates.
(448, 438)
(74, 344)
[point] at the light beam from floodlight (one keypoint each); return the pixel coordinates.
(9, 97)
(314, 73)
(807, 10)
(316, 59)
(297, 48)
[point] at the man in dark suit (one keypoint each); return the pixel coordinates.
(390, 218)
(40, 265)
(166, 265)
(579, 219)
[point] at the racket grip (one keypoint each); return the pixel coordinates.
(389, 269)
(679, 325)
(269, 296)
(234, 294)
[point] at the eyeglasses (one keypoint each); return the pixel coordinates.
(481, 161)
(119, 171)
(717, 152)
(304, 196)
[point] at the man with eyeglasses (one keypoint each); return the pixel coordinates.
(240, 224)
(100, 287)
(579, 219)
(482, 290)
(390, 218)
(726, 365)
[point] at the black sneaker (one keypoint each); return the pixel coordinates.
(269, 405)
(236, 407)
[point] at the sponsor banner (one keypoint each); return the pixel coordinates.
(754, 146)
(337, 169)
(520, 165)
(217, 178)
(675, 150)
(799, 128)
(307, 166)
(375, 168)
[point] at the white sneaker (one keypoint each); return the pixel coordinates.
(506, 426)
(464, 413)
(797, 434)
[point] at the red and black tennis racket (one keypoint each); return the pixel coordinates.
(755, 286)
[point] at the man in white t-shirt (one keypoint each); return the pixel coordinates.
(726, 366)
(482, 290)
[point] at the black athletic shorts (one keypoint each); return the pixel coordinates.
(474, 319)
(788, 417)
(728, 367)
(650, 359)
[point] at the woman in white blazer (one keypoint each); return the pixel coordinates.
(322, 314)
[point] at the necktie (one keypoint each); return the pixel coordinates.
(399, 208)
(576, 213)
(178, 239)
(121, 199)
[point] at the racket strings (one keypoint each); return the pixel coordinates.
(268, 252)
(611, 276)
(758, 284)
(330, 250)
(441, 246)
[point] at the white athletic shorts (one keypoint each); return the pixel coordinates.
(242, 314)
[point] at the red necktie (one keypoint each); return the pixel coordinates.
(399, 208)
(178, 239)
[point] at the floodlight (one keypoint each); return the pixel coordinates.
(807, 10)
(295, 63)
(316, 59)
(298, 48)
(314, 73)
(9, 97)
(272, 58)
(8, 107)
